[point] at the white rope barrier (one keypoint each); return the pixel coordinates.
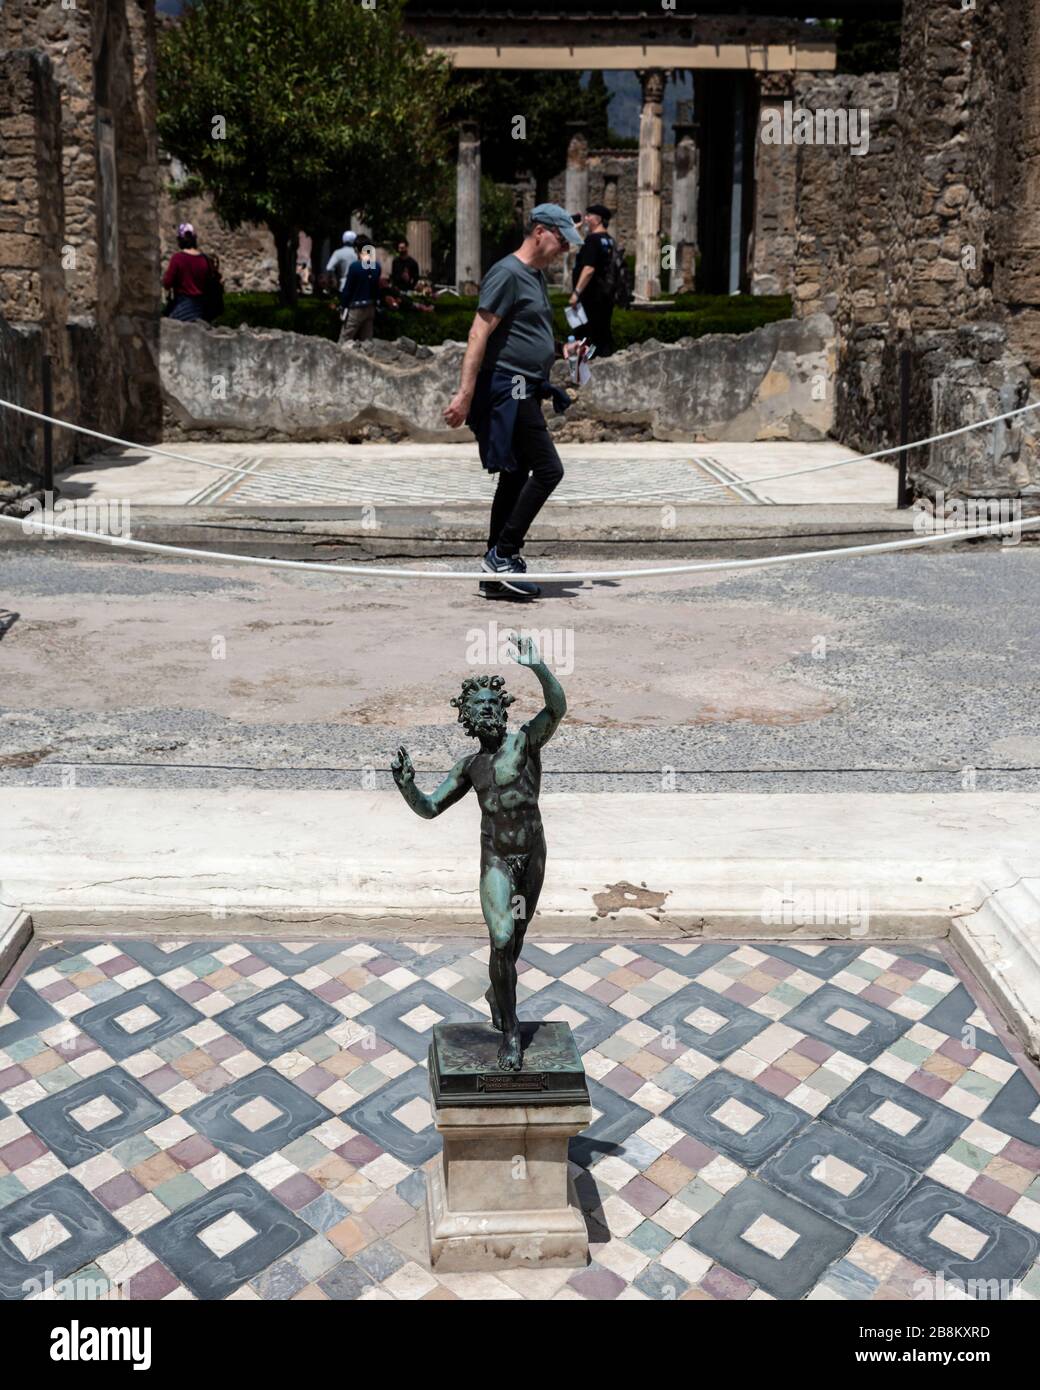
(32, 526)
(711, 487)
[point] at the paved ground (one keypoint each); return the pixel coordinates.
(327, 474)
(250, 1120)
(914, 672)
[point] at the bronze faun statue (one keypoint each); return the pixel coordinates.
(506, 774)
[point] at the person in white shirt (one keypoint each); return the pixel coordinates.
(341, 259)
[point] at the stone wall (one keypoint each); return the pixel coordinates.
(247, 255)
(33, 298)
(97, 205)
(760, 385)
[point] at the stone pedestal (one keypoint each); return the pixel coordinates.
(501, 1196)
(420, 242)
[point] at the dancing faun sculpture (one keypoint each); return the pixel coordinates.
(506, 775)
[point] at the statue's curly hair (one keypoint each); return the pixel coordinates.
(474, 683)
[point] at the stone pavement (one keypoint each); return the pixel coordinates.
(249, 1119)
(408, 473)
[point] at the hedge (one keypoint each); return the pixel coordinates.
(692, 316)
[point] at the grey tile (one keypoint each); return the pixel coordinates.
(795, 1170)
(951, 1016)
(174, 1015)
(616, 1121)
(1008, 1253)
(695, 1112)
(722, 1234)
(295, 962)
(91, 1230)
(742, 1024)
(690, 963)
(597, 1020)
(215, 1118)
(347, 1281)
(379, 1260)
(1011, 1108)
(386, 1018)
(244, 1019)
(882, 1029)
(158, 961)
(31, 1015)
(659, 1282)
(52, 1119)
(374, 1117)
(830, 961)
(936, 1128)
(176, 1240)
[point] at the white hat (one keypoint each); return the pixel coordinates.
(349, 238)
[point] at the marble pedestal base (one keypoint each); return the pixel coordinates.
(500, 1196)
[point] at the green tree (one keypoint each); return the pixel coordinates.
(294, 113)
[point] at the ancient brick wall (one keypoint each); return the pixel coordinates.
(33, 298)
(247, 255)
(103, 62)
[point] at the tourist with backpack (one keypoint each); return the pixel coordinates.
(596, 278)
(192, 281)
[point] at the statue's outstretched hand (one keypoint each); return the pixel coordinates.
(401, 767)
(526, 653)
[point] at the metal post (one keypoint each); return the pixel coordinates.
(46, 383)
(903, 497)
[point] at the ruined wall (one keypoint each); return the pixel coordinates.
(33, 299)
(248, 258)
(103, 63)
(965, 292)
(771, 255)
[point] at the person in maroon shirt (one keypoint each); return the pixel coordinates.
(186, 276)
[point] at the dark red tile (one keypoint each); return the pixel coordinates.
(314, 1080)
(60, 989)
(119, 1190)
(993, 1194)
(297, 1191)
(359, 1150)
(331, 991)
(926, 1083)
(117, 965)
(778, 1083)
(1025, 1155)
(604, 991)
(220, 1049)
(597, 1282)
(742, 994)
(22, 1151)
(152, 1283)
(188, 1152)
(195, 991)
(874, 994)
(815, 1051)
(12, 1076)
(692, 1152)
(779, 969)
(644, 1195)
(622, 1081)
(723, 1283)
(957, 1052)
(647, 968)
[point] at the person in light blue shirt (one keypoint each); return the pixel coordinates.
(342, 259)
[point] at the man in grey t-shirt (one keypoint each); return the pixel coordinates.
(509, 354)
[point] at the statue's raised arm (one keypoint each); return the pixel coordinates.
(542, 727)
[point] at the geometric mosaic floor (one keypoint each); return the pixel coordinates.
(250, 1120)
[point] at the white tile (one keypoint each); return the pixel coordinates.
(254, 1114)
(848, 1022)
(279, 1018)
(94, 1113)
(957, 1236)
(227, 1234)
(422, 1018)
(895, 1118)
(737, 1116)
(838, 1175)
(43, 1235)
(135, 1019)
(770, 1236)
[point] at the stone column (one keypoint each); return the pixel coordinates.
(684, 200)
(467, 210)
(576, 179)
(648, 204)
(774, 233)
(420, 243)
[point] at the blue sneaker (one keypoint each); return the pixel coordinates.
(493, 563)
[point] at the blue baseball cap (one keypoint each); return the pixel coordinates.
(552, 215)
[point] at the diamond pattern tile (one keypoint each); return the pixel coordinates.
(218, 1119)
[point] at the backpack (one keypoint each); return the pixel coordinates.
(213, 293)
(617, 278)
